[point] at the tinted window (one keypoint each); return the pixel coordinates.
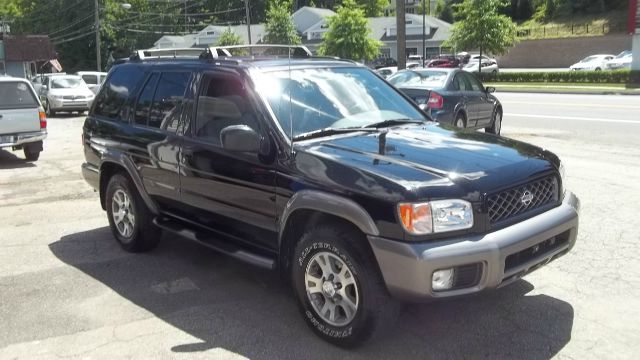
(428, 78)
(223, 102)
(90, 79)
(16, 95)
(167, 102)
(114, 94)
(145, 100)
(460, 82)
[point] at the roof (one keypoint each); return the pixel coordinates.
(267, 62)
(27, 48)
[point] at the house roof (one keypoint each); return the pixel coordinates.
(27, 48)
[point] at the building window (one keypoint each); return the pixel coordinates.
(3, 71)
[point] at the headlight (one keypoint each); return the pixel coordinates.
(435, 216)
(563, 177)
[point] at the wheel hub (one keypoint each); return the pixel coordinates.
(329, 289)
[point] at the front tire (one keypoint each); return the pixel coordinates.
(48, 111)
(130, 220)
(340, 293)
(496, 123)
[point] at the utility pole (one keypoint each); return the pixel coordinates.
(246, 8)
(424, 40)
(97, 28)
(400, 35)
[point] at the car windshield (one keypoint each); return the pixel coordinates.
(623, 54)
(66, 83)
(589, 58)
(16, 95)
(420, 77)
(336, 98)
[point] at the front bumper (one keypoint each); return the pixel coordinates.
(407, 268)
(7, 140)
(70, 105)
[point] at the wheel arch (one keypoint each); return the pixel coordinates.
(308, 208)
(111, 165)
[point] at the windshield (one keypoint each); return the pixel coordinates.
(589, 58)
(623, 54)
(332, 98)
(66, 83)
(420, 77)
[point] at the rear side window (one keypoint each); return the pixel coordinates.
(143, 107)
(167, 101)
(114, 94)
(16, 95)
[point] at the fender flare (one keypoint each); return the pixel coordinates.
(331, 204)
(120, 159)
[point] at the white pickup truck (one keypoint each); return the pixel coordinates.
(23, 124)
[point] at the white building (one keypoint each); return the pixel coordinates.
(311, 24)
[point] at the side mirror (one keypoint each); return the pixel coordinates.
(491, 89)
(240, 138)
(45, 87)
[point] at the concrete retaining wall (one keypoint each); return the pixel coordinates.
(560, 53)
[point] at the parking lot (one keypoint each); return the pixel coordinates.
(68, 290)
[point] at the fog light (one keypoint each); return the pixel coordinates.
(442, 279)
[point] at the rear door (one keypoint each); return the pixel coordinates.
(155, 133)
(470, 98)
(19, 109)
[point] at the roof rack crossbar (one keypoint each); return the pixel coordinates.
(215, 52)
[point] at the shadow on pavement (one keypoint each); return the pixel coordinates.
(9, 160)
(229, 305)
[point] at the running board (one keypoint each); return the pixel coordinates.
(201, 237)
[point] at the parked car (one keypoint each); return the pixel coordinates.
(387, 71)
(475, 57)
(413, 64)
(444, 62)
(23, 124)
(65, 93)
(321, 170)
(621, 61)
(38, 80)
(452, 97)
(487, 66)
(415, 58)
(93, 79)
(593, 62)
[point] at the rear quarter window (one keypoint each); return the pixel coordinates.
(16, 95)
(115, 93)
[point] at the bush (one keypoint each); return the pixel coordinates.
(610, 77)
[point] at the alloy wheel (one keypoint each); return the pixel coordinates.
(331, 288)
(123, 213)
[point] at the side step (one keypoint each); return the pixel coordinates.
(201, 237)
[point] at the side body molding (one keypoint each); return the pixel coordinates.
(331, 204)
(110, 154)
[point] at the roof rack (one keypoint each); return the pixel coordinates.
(215, 52)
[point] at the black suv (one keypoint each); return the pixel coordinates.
(320, 169)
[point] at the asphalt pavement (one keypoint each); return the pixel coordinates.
(67, 289)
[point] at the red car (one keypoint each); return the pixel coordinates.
(444, 62)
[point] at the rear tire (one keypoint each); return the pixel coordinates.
(130, 220)
(340, 293)
(31, 155)
(496, 123)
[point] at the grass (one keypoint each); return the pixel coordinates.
(576, 26)
(564, 87)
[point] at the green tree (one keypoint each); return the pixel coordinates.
(280, 28)
(481, 26)
(348, 35)
(444, 11)
(228, 37)
(373, 8)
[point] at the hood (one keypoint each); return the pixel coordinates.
(420, 162)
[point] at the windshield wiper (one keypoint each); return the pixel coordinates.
(392, 122)
(329, 132)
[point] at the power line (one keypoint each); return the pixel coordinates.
(74, 38)
(72, 25)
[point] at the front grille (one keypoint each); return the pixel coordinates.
(523, 198)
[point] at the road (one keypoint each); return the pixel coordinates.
(67, 290)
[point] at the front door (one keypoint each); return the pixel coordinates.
(231, 192)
